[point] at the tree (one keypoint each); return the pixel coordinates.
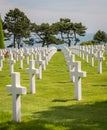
(17, 24)
(2, 45)
(45, 33)
(88, 43)
(69, 30)
(78, 29)
(64, 28)
(100, 37)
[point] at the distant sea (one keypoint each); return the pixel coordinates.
(87, 37)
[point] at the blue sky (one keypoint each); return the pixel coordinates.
(92, 13)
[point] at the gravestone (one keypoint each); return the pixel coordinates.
(32, 54)
(27, 55)
(46, 54)
(78, 74)
(86, 53)
(1, 60)
(11, 62)
(72, 61)
(43, 59)
(21, 57)
(16, 54)
(35, 53)
(100, 58)
(91, 53)
(82, 52)
(39, 65)
(32, 71)
(16, 89)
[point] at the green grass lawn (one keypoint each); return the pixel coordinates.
(53, 106)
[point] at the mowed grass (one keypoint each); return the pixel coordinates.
(53, 106)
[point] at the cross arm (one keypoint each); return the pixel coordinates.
(33, 71)
(38, 62)
(21, 90)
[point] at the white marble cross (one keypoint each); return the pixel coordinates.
(32, 71)
(100, 58)
(82, 52)
(32, 54)
(16, 89)
(47, 56)
(21, 57)
(39, 64)
(27, 55)
(11, 62)
(16, 53)
(43, 59)
(71, 67)
(78, 74)
(1, 60)
(91, 56)
(86, 52)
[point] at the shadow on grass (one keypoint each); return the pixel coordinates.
(73, 117)
(102, 85)
(64, 82)
(58, 100)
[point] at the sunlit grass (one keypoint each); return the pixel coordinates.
(53, 106)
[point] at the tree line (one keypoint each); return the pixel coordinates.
(18, 26)
(100, 37)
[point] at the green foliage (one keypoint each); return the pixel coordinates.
(17, 24)
(69, 30)
(64, 31)
(88, 43)
(60, 32)
(78, 29)
(53, 106)
(2, 45)
(100, 37)
(45, 33)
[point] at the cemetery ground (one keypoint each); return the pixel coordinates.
(53, 106)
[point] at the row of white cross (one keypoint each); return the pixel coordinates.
(16, 89)
(75, 72)
(28, 54)
(41, 57)
(95, 52)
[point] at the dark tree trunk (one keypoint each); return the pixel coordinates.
(69, 41)
(14, 39)
(18, 45)
(75, 38)
(43, 44)
(18, 42)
